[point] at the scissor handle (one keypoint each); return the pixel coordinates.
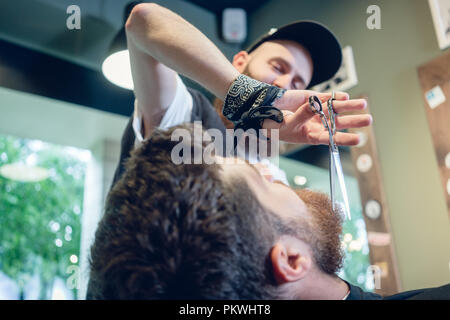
(315, 105)
(332, 114)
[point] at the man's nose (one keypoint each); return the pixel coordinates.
(264, 171)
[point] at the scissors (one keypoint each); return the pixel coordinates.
(335, 166)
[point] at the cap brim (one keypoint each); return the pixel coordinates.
(325, 50)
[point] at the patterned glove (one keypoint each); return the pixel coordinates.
(249, 102)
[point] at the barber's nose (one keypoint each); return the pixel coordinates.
(283, 82)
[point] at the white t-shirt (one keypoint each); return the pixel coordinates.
(180, 111)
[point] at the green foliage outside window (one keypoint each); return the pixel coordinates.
(40, 221)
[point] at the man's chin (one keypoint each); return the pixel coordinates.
(327, 229)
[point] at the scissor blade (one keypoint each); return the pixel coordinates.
(332, 172)
(340, 175)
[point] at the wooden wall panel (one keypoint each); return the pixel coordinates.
(375, 209)
(434, 78)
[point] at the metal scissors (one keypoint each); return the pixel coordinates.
(335, 166)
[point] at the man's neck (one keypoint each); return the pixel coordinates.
(320, 286)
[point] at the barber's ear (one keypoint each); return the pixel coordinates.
(240, 60)
(291, 260)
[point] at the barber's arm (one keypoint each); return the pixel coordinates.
(301, 125)
(155, 87)
(160, 43)
(251, 104)
(171, 43)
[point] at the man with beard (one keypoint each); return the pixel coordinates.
(294, 57)
(217, 231)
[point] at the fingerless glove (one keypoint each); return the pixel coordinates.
(249, 102)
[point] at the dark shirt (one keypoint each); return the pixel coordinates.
(356, 293)
(439, 293)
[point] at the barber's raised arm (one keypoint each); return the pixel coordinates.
(161, 41)
(155, 87)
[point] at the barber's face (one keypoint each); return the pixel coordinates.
(282, 63)
(297, 208)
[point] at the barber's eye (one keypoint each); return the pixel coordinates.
(277, 67)
(299, 85)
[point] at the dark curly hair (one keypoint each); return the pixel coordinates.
(181, 232)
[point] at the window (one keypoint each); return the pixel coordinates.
(41, 202)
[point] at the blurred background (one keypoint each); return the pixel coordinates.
(61, 123)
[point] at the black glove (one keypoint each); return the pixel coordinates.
(249, 102)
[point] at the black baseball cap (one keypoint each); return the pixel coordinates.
(325, 50)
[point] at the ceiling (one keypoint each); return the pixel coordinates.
(41, 25)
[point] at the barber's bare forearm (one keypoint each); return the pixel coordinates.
(154, 87)
(176, 43)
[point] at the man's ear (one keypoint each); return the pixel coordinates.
(291, 260)
(240, 60)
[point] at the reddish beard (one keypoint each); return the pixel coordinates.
(326, 226)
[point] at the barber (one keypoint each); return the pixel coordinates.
(274, 72)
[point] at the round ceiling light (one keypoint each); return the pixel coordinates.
(117, 69)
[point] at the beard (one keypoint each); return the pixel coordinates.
(247, 72)
(325, 229)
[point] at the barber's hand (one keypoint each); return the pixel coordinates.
(302, 125)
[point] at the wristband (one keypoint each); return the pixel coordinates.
(249, 102)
